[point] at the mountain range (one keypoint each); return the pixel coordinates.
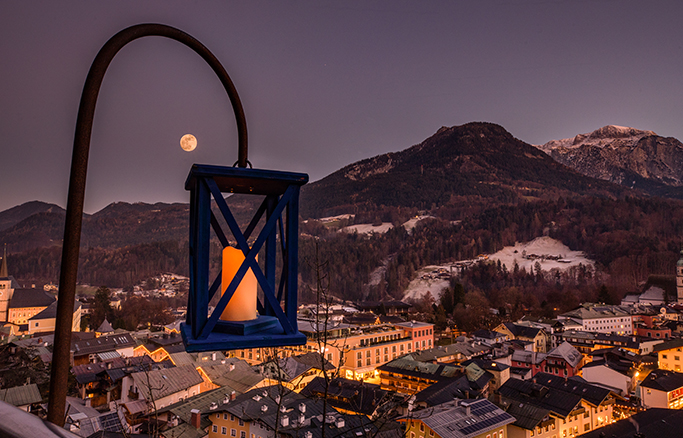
(626, 156)
(459, 173)
(479, 161)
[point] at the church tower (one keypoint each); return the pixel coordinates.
(7, 286)
(679, 279)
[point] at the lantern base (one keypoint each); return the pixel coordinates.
(248, 327)
(271, 336)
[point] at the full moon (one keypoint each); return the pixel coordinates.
(188, 142)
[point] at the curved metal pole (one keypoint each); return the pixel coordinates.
(79, 166)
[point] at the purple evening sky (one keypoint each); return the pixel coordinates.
(323, 83)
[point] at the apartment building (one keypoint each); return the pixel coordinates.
(356, 350)
(551, 406)
(601, 318)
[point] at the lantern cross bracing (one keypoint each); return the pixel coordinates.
(274, 325)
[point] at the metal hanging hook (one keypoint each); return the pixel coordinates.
(77, 178)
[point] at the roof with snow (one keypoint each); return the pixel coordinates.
(406, 365)
(102, 344)
(21, 395)
(523, 331)
(166, 381)
(567, 352)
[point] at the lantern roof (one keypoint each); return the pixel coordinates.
(244, 180)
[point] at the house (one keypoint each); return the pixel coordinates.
(459, 418)
(601, 318)
(654, 422)
(407, 376)
(86, 421)
(617, 369)
(361, 318)
(670, 354)
(500, 372)
(259, 412)
(563, 360)
(45, 321)
(21, 396)
(530, 360)
(295, 372)
(520, 373)
(537, 336)
(351, 396)
(489, 337)
(472, 384)
(231, 374)
(162, 387)
(658, 291)
(548, 406)
(99, 383)
(179, 416)
(662, 389)
(455, 353)
(27, 303)
(586, 342)
(93, 349)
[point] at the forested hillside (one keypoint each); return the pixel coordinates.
(629, 239)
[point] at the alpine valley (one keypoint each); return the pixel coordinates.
(467, 191)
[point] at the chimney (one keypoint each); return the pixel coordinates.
(302, 419)
(264, 408)
(339, 423)
(232, 367)
(213, 356)
(195, 418)
(302, 407)
(233, 395)
(284, 421)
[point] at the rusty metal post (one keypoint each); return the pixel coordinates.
(76, 196)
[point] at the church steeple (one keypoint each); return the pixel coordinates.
(3, 266)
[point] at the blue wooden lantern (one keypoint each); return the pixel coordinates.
(275, 325)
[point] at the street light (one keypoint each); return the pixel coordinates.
(274, 326)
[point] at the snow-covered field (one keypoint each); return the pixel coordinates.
(336, 218)
(427, 283)
(368, 228)
(550, 253)
(409, 225)
(381, 229)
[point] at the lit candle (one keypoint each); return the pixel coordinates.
(242, 304)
